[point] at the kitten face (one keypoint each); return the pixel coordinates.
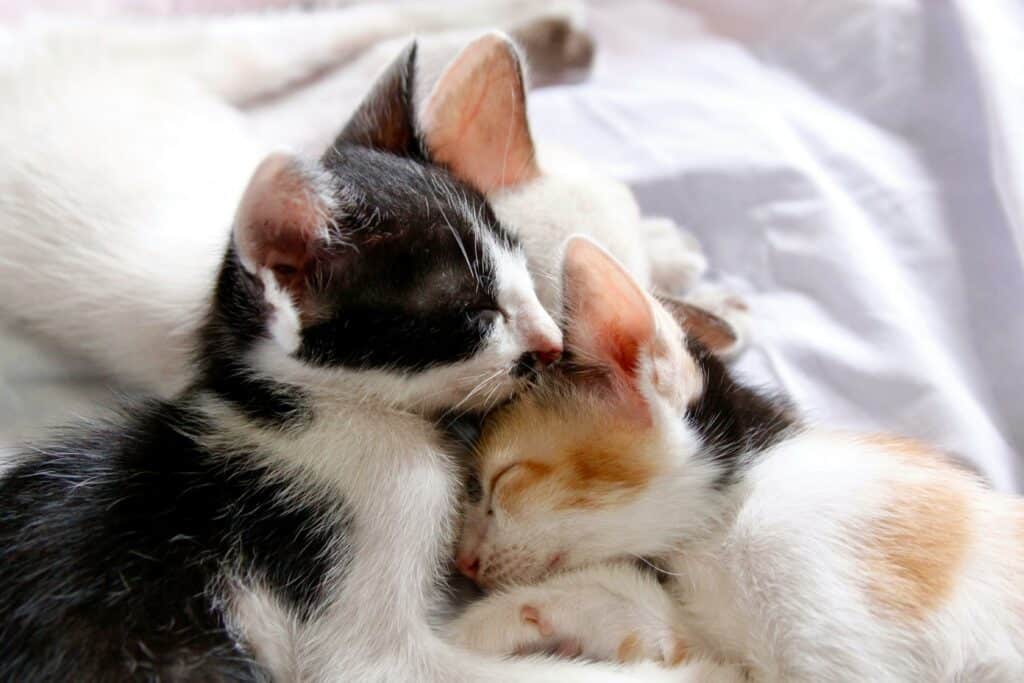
(565, 479)
(414, 288)
(381, 272)
(607, 456)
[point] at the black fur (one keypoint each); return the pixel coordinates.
(406, 281)
(733, 419)
(410, 284)
(236, 321)
(413, 286)
(115, 544)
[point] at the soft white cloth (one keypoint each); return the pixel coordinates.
(855, 168)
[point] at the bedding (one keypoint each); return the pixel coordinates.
(853, 168)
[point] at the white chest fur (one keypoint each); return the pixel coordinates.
(399, 489)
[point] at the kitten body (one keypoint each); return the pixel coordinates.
(791, 552)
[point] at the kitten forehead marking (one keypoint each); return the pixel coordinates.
(593, 459)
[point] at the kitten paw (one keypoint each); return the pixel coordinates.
(556, 51)
(677, 261)
(603, 613)
(623, 639)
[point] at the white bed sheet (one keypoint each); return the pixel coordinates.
(854, 168)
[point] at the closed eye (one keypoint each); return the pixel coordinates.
(501, 473)
(493, 486)
(483, 318)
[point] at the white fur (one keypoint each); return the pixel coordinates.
(284, 323)
(565, 200)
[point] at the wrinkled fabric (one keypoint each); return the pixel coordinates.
(855, 169)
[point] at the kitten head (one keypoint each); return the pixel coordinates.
(621, 450)
(380, 269)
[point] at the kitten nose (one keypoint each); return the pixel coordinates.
(534, 361)
(544, 342)
(538, 332)
(468, 566)
(545, 358)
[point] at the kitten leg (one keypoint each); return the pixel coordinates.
(248, 57)
(607, 612)
(556, 51)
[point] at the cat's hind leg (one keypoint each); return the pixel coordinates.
(677, 261)
(248, 57)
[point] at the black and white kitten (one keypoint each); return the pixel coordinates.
(287, 516)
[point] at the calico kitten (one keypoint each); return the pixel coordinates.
(790, 553)
(240, 530)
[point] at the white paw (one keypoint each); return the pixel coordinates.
(677, 261)
(577, 615)
(614, 632)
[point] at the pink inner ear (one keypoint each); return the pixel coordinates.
(609, 317)
(475, 119)
(279, 220)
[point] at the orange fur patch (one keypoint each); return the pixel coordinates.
(917, 546)
(908, 450)
(518, 481)
(597, 472)
(590, 458)
(629, 649)
(679, 653)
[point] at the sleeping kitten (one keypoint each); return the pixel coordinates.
(791, 552)
(287, 515)
(119, 271)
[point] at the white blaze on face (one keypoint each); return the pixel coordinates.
(534, 330)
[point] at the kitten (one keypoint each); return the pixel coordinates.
(791, 553)
(287, 515)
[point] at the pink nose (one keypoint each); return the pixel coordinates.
(542, 338)
(547, 356)
(545, 349)
(468, 566)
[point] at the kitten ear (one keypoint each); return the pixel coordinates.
(282, 217)
(385, 120)
(474, 120)
(717, 334)
(608, 316)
